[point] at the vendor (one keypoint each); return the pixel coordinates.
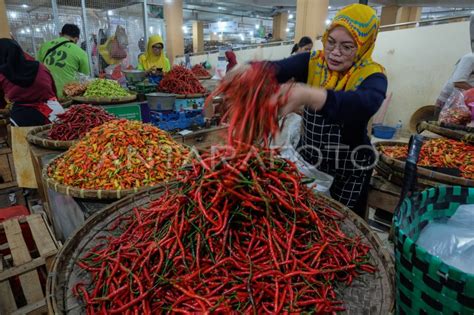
(28, 85)
(154, 59)
(344, 89)
(64, 58)
(463, 75)
(304, 45)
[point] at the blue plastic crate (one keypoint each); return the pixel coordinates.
(171, 120)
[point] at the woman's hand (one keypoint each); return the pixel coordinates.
(300, 95)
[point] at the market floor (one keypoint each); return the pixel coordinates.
(382, 230)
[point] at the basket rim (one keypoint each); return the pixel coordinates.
(104, 99)
(422, 171)
(445, 131)
(204, 77)
(33, 138)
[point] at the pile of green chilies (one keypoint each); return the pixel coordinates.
(240, 233)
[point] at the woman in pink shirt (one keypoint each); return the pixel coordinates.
(28, 85)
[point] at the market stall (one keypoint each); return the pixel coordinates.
(165, 190)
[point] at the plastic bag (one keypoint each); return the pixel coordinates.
(116, 50)
(455, 110)
(469, 96)
(452, 240)
(121, 36)
(287, 141)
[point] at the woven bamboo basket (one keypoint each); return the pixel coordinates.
(421, 114)
(204, 78)
(370, 294)
(425, 284)
(394, 169)
(39, 136)
(66, 103)
(104, 100)
(85, 193)
(456, 132)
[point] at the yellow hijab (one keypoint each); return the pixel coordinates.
(362, 23)
(149, 60)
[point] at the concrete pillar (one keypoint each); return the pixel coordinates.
(280, 23)
(395, 14)
(389, 15)
(409, 14)
(173, 14)
(4, 27)
(198, 36)
(311, 18)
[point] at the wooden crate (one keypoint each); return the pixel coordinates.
(383, 194)
(28, 249)
(7, 169)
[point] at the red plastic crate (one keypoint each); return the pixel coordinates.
(13, 212)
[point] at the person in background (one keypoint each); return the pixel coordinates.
(154, 59)
(28, 85)
(304, 45)
(343, 89)
(231, 60)
(64, 58)
(462, 76)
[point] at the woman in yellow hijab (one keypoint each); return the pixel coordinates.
(343, 89)
(154, 57)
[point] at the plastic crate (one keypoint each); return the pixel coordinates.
(12, 212)
(145, 88)
(171, 120)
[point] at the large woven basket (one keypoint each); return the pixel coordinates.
(104, 100)
(394, 169)
(426, 285)
(370, 294)
(456, 132)
(84, 193)
(39, 136)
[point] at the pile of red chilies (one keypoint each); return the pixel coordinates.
(181, 80)
(77, 121)
(253, 101)
(240, 233)
(200, 71)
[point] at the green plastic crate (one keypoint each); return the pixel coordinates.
(426, 285)
(145, 88)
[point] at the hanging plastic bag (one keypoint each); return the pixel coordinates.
(121, 36)
(117, 51)
(455, 110)
(287, 141)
